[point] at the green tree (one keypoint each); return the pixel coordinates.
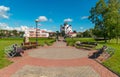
(86, 33)
(97, 17)
(21, 33)
(15, 33)
(112, 19)
(63, 33)
(106, 17)
(57, 35)
(80, 34)
(75, 31)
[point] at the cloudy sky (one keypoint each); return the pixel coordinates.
(18, 14)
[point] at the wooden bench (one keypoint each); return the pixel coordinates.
(26, 45)
(13, 50)
(86, 45)
(34, 44)
(102, 54)
(96, 53)
(106, 54)
(29, 45)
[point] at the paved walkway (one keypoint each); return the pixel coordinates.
(58, 60)
(58, 51)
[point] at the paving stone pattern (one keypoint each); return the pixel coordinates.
(57, 60)
(59, 53)
(35, 71)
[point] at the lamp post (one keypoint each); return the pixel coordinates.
(36, 21)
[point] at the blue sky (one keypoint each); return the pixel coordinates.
(24, 13)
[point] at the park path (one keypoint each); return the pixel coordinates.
(57, 60)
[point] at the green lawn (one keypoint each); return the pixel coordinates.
(3, 43)
(43, 41)
(9, 41)
(71, 41)
(114, 62)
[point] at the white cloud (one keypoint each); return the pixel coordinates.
(44, 29)
(84, 17)
(40, 24)
(42, 18)
(5, 26)
(4, 12)
(22, 28)
(68, 20)
(49, 31)
(82, 29)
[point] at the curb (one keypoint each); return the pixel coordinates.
(107, 68)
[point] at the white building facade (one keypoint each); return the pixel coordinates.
(68, 30)
(31, 32)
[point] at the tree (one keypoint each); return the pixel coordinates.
(106, 17)
(15, 32)
(63, 33)
(80, 34)
(97, 17)
(21, 33)
(112, 19)
(91, 32)
(75, 31)
(57, 35)
(86, 33)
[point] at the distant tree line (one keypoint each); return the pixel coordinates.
(86, 33)
(11, 33)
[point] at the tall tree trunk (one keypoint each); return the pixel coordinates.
(105, 37)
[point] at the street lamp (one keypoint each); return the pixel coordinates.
(36, 21)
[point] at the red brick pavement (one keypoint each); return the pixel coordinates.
(19, 62)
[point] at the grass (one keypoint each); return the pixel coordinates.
(71, 41)
(3, 43)
(43, 41)
(112, 63)
(9, 41)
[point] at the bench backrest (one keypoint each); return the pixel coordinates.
(89, 43)
(28, 43)
(34, 43)
(109, 51)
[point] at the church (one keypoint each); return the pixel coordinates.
(67, 29)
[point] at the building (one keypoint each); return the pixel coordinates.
(31, 32)
(72, 34)
(67, 29)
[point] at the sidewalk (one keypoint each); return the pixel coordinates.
(58, 60)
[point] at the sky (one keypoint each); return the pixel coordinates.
(18, 14)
